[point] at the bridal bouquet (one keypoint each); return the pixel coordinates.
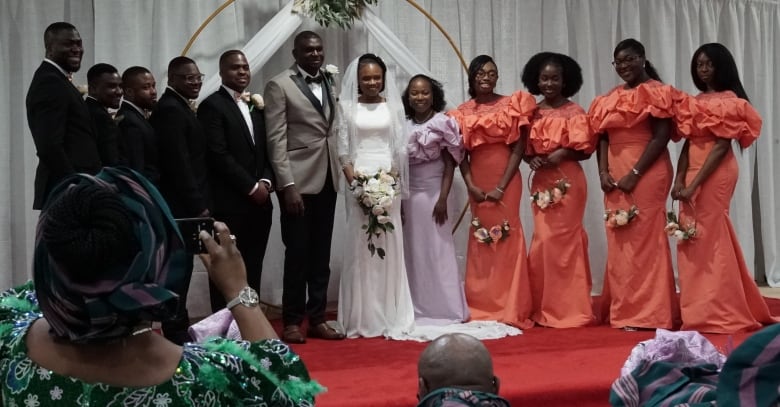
(376, 194)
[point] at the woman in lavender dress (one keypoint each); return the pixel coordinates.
(434, 149)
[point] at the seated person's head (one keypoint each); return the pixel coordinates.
(456, 361)
(107, 257)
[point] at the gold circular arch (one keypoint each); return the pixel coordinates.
(411, 3)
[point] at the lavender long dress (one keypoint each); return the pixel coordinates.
(429, 250)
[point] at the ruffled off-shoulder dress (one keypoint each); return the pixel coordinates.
(639, 288)
(497, 286)
(558, 262)
(717, 292)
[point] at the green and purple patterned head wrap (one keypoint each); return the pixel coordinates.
(108, 255)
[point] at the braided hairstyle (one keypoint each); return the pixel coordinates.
(88, 230)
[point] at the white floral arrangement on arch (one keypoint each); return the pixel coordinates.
(255, 101)
(326, 12)
(376, 194)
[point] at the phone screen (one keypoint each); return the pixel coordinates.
(190, 230)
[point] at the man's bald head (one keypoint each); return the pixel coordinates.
(456, 360)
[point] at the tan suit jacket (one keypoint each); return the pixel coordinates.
(298, 130)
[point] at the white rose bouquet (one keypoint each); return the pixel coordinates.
(376, 194)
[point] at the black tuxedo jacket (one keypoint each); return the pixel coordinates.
(137, 143)
(62, 130)
(236, 162)
(106, 131)
(182, 148)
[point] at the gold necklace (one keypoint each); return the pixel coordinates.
(428, 117)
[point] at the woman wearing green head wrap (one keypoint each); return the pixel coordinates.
(108, 261)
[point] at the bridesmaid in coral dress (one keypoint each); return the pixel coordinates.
(558, 262)
(494, 129)
(717, 292)
(634, 123)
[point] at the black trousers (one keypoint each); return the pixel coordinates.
(251, 231)
(307, 241)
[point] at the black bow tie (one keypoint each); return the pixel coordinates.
(314, 79)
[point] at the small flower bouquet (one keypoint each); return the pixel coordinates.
(495, 233)
(551, 196)
(616, 218)
(376, 194)
(675, 230)
(255, 101)
(620, 217)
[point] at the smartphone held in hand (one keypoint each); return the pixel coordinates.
(190, 230)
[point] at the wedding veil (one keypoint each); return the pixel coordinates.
(346, 131)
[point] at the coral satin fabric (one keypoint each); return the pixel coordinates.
(639, 281)
(717, 292)
(558, 263)
(497, 286)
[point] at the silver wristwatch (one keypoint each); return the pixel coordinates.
(247, 297)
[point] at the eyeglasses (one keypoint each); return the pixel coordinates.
(625, 61)
(486, 74)
(197, 78)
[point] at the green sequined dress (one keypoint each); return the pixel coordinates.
(218, 372)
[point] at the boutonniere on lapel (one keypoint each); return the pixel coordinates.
(255, 101)
(83, 89)
(329, 72)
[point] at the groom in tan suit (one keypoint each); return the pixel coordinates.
(300, 111)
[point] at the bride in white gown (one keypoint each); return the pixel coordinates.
(374, 297)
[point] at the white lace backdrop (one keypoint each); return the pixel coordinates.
(150, 33)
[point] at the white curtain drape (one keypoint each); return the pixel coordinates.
(150, 33)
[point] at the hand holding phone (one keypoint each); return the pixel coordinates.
(190, 230)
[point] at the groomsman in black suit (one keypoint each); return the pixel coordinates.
(59, 121)
(105, 92)
(182, 148)
(239, 170)
(137, 142)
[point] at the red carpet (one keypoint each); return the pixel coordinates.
(542, 367)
